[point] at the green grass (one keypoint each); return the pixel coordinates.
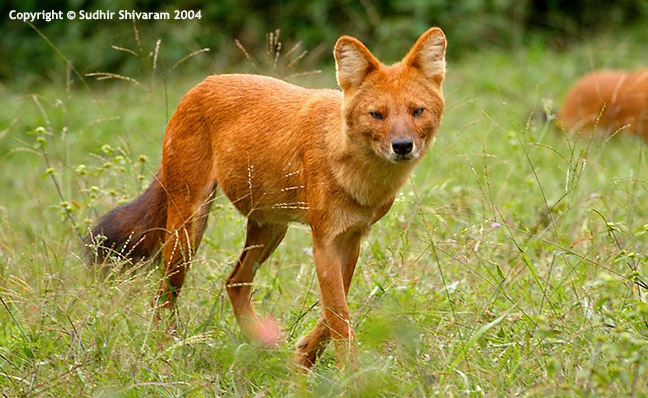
(509, 266)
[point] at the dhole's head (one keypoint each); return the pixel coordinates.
(394, 111)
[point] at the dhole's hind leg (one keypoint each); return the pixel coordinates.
(186, 223)
(260, 242)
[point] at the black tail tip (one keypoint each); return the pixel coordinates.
(96, 249)
(109, 239)
(114, 241)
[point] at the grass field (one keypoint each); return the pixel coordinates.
(514, 263)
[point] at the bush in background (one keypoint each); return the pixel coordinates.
(386, 26)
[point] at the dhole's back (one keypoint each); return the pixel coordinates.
(608, 100)
(258, 129)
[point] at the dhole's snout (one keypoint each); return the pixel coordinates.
(402, 146)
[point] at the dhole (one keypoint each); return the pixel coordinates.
(281, 153)
(608, 100)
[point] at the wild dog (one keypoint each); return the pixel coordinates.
(333, 160)
(608, 100)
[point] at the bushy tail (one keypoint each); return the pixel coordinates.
(132, 231)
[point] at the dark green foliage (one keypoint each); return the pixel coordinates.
(387, 26)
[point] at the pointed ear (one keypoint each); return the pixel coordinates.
(353, 62)
(428, 55)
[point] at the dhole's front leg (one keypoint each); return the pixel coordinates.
(335, 261)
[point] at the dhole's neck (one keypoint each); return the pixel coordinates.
(367, 178)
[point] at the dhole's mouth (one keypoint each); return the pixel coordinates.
(396, 158)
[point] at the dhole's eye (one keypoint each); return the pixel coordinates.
(376, 115)
(418, 112)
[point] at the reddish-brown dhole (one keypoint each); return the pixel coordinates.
(282, 153)
(608, 100)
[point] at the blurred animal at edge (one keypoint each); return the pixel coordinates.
(281, 153)
(608, 100)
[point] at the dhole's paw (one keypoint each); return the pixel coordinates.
(268, 333)
(306, 354)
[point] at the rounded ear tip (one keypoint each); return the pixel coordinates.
(435, 31)
(346, 38)
(345, 41)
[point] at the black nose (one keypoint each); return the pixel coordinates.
(402, 146)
